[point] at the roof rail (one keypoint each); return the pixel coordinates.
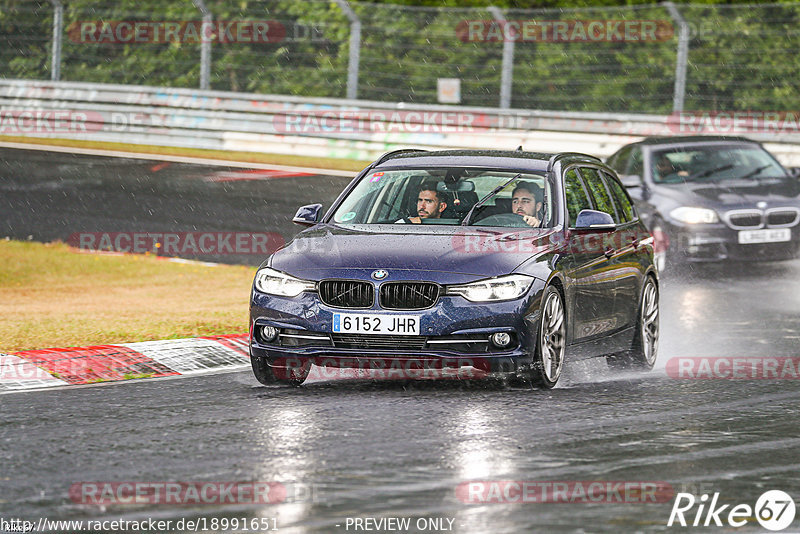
(393, 153)
(555, 157)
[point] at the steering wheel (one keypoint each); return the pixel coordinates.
(504, 219)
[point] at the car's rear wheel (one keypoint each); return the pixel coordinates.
(644, 352)
(551, 343)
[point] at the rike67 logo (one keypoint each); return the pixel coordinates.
(774, 510)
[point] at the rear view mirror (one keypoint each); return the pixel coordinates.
(307, 215)
(598, 221)
(631, 180)
(462, 186)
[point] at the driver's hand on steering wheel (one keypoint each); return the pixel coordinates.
(530, 220)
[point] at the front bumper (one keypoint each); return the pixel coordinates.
(718, 242)
(454, 333)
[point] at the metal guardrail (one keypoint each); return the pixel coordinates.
(316, 127)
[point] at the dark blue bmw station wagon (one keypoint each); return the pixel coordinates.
(509, 262)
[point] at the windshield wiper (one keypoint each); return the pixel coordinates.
(709, 172)
(485, 199)
(755, 171)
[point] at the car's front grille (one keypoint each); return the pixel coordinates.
(408, 295)
(783, 217)
(745, 219)
(359, 341)
(347, 293)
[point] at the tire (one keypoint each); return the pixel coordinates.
(548, 361)
(644, 352)
(269, 376)
(262, 371)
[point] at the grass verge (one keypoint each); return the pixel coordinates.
(224, 155)
(53, 296)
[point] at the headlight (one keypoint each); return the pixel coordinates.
(504, 288)
(278, 283)
(688, 215)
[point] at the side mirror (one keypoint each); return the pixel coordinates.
(794, 172)
(593, 220)
(631, 180)
(307, 215)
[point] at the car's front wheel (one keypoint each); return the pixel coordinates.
(551, 342)
(293, 373)
(262, 371)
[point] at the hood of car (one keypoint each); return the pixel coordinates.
(330, 250)
(734, 193)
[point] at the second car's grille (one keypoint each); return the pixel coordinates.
(782, 217)
(358, 341)
(346, 293)
(745, 219)
(408, 295)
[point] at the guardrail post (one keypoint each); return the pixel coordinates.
(355, 49)
(205, 44)
(58, 21)
(682, 59)
(507, 71)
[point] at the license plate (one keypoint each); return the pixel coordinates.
(394, 325)
(777, 235)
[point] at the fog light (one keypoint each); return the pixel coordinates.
(501, 339)
(269, 333)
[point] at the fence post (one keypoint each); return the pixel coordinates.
(507, 70)
(355, 49)
(682, 59)
(205, 44)
(58, 22)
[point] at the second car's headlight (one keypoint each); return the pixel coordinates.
(689, 215)
(494, 289)
(278, 283)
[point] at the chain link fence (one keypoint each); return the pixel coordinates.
(646, 59)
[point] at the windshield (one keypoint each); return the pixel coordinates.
(714, 163)
(452, 196)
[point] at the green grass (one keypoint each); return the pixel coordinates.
(51, 295)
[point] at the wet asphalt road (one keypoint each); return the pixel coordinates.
(400, 449)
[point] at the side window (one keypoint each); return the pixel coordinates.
(619, 161)
(599, 193)
(577, 199)
(621, 199)
(637, 163)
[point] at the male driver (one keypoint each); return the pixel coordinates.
(526, 201)
(430, 203)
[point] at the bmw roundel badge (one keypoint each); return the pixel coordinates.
(380, 274)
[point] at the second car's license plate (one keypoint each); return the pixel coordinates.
(776, 235)
(395, 325)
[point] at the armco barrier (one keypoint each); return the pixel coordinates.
(314, 127)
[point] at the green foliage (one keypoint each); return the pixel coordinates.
(741, 57)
